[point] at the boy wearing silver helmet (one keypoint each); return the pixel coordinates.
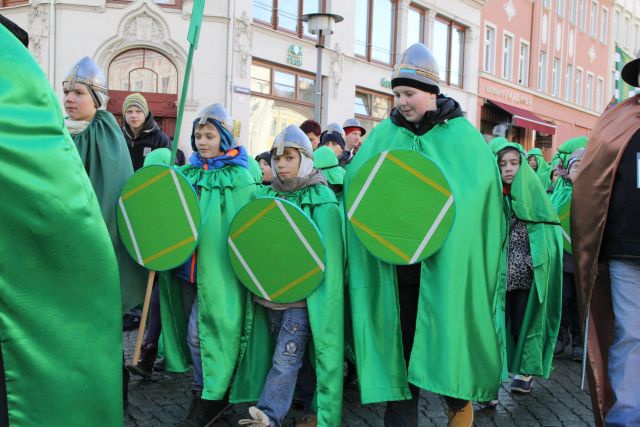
(104, 153)
(440, 334)
(319, 316)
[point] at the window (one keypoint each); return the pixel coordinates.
(7, 3)
(599, 94)
(415, 25)
(375, 30)
(617, 26)
(555, 77)
(604, 25)
(143, 70)
(507, 57)
(593, 19)
(627, 28)
(489, 49)
(579, 87)
(523, 64)
(372, 107)
(583, 15)
(164, 3)
(568, 83)
(637, 47)
(285, 14)
(542, 72)
(589, 91)
(546, 3)
(279, 97)
(572, 11)
(560, 8)
(448, 48)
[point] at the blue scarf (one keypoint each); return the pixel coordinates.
(235, 156)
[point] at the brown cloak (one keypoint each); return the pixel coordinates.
(590, 205)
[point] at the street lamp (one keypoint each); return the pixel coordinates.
(319, 25)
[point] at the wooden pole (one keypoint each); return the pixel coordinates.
(143, 318)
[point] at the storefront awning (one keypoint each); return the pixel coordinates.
(526, 119)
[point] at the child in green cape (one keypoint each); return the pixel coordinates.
(531, 269)
(208, 292)
(317, 318)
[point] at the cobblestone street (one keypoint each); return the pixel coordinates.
(164, 399)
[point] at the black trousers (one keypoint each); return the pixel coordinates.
(404, 413)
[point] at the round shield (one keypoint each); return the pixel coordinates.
(276, 250)
(401, 206)
(565, 223)
(158, 217)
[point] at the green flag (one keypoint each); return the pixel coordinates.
(196, 23)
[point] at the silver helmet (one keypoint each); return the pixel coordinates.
(292, 136)
(417, 68)
(218, 113)
(88, 73)
(354, 123)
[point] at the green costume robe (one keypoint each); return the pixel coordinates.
(221, 297)
(457, 348)
(533, 353)
(544, 170)
(326, 309)
(106, 159)
(566, 148)
(60, 319)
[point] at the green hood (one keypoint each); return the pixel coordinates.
(568, 147)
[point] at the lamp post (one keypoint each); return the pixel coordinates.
(319, 25)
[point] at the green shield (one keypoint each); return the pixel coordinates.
(159, 217)
(401, 206)
(565, 223)
(276, 250)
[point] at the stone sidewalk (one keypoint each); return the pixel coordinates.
(164, 399)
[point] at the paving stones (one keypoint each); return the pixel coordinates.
(164, 399)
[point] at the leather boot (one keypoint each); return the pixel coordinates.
(461, 417)
(144, 367)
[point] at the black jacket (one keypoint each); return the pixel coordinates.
(621, 237)
(448, 108)
(150, 138)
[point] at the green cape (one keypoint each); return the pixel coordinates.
(326, 310)
(106, 159)
(544, 169)
(528, 201)
(60, 319)
(566, 148)
(456, 349)
(221, 297)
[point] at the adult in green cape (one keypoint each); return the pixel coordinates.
(58, 274)
(325, 306)
(106, 159)
(205, 289)
(540, 166)
(439, 315)
(531, 269)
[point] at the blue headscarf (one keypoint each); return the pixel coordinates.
(226, 139)
(235, 156)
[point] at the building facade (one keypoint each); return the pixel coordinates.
(545, 69)
(255, 56)
(626, 44)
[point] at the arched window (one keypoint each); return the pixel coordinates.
(143, 70)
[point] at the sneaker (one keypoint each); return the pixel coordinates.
(521, 385)
(258, 418)
(461, 417)
(310, 420)
(576, 353)
(489, 404)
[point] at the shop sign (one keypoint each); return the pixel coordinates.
(509, 95)
(294, 55)
(384, 82)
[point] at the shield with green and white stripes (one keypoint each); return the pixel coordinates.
(276, 250)
(565, 223)
(401, 206)
(158, 217)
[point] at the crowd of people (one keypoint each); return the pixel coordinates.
(510, 287)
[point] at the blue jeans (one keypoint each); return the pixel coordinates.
(293, 330)
(624, 354)
(190, 301)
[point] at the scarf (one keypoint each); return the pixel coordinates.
(236, 156)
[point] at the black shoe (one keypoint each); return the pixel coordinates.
(160, 365)
(211, 411)
(562, 342)
(489, 404)
(576, 353)
(144, 367)
(194, 410)
(521, 386)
